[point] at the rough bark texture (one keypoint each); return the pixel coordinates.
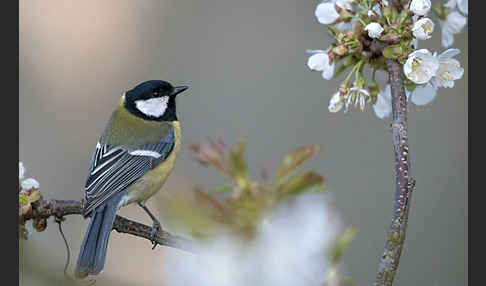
(395, 237)
(61, 208)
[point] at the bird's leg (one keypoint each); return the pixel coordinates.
(155, 224)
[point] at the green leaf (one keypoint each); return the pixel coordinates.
(34, 195)
(237, 157)
(342, 243)
(410, 85)
(308, 181)
(24, 205)
(335, 32)
(294, 159)
(23, 200)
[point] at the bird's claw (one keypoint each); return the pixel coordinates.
(155, 229)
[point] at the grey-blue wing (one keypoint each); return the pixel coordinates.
(114, 168)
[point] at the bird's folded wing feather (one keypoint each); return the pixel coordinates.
(114, 168)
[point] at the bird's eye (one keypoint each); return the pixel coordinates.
(155, 94)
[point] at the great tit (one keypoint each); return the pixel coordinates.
(130, 163)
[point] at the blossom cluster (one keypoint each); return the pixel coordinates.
(241, 230)
(359, 26)
(28, 194)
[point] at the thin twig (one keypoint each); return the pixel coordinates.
(404, 184)
(61, 208)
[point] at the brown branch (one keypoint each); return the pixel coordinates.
(395, 237)
(61, 208)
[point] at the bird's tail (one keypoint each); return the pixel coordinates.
(92, 254)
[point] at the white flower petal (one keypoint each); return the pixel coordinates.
(316, 61)
(421, 51)
(374, 30)
(451, 4)
(336, 103)
(423, 28)
(456, 21)
(447, 37)
(326, 13)
(21, 171)
(320, 62)
(462, 5)
(344, 26)
(424, 94)
(420, 7)
(449, 71)
(359, 91)
(30, 183)
(383, 107)
(328, 71)
(449, 53)
(453, 24)
(421, 66)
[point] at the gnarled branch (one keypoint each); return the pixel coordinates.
(61, 208)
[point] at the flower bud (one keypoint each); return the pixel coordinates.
(340, 50)
(420, 7)
(374, 30)
(39, 224)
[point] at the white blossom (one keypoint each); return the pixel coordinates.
(462, 5)
(21, 171)
(453, 24)
(336, 102)
(423, 94)
(374, 30)
(30, 183)
(423, 28)
(326, 13)
(420, 7)
(421, 66)
(320, 61)
(449, 69)
(267, 259)
(358, 96)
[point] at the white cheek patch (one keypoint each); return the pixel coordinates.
(154, 107)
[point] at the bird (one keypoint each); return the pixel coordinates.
(130, 163)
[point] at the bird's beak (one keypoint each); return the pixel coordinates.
(179, 89)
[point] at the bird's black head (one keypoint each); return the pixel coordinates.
(153, 100)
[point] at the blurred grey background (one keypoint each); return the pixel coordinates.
(246, 64)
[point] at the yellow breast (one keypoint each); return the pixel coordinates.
(154, 179)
